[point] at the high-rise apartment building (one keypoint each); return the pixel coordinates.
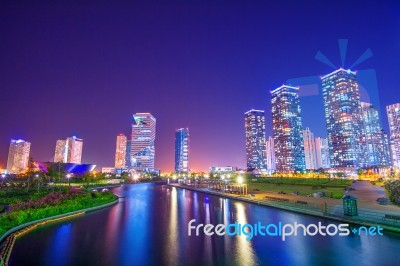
(322, 153)
(182, 150)
(344, 121)
(271, 165)
(377, 150)
(18, 156)
(254, 123)
(120, 151)
(69, 150)
(309, 149)
(287, 128)
(393, 113)
(142, 142)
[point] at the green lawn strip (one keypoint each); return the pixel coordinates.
(334, 192)
(82, 201)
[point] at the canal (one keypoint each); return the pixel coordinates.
(149, 226)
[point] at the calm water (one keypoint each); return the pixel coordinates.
(149, 227)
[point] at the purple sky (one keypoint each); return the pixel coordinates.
(85, 68)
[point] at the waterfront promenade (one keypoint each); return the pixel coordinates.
(368, 214)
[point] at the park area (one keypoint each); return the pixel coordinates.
(19, 205)
(321, 187)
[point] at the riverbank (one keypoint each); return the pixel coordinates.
(315, 211)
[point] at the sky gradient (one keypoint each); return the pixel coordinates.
(84, 68)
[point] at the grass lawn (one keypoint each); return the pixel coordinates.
(304, 186)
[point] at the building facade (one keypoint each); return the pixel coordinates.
(182, 150)
(142, 151)
(254, 123)
(271, 165)
(18, 156)
(376, 143)
(322, 153)
(120, 151)
(393, 113)
(287, 128)
(69, 150)
(344, 121)
(310, 150)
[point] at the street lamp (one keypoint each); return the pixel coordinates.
(240, 181)
(69, 179)
(3, 177)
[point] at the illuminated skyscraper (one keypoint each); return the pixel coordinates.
(120, 151)
(287, 127)
(377, 150)
(309, 149)
(18, 156)
(142, 142)
(344, 121)
(182, 150)
(322, 153)
(393, 113)
(69, 150)
(271, 165)
(254, 123)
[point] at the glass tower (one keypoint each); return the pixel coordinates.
(254, 123)
(287, 127)
(182, 150)
(142, 142)
(344, 121)
(377, 150)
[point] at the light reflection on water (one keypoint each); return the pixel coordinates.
(149, 227)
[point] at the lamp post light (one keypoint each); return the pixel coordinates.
(69, 180)
(3, 176)
(240, 182)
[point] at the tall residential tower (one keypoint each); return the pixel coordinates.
(393, 113)
(343, 118)
(254, 123)
(377, 149)
(287, 127)
(18, 156)
(120, 151)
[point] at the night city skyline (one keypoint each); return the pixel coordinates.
(84, 70)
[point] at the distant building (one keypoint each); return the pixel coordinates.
(255, 140)
(108, 170)
(142, 151)
(18, 156)
(182, 150)
(129, 158)
(271, 165)
(222, 169)
(120, 151)
(344, 121)
(309, 149)
(393, 113)
(322, 153)
(377, 149)
(69, 150)
(287, 128)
